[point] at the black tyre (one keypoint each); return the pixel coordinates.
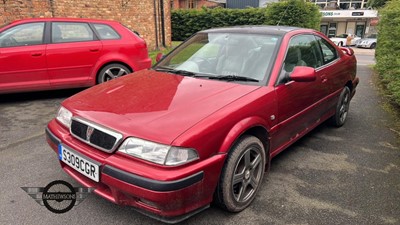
(373, 45)
(241, 175)
(112, 71)
(342, 108)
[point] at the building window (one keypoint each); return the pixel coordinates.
(350, 4)
(191, 4)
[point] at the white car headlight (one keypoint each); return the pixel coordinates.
(158, 153)
(64, 116)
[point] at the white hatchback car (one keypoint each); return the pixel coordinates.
(341, 39)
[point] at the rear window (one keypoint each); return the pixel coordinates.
(106, 32)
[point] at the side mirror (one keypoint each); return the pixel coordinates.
(303, 74)
(347, 51)
(159, 56)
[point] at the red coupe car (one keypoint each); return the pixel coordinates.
(43, 54)
(203, 124)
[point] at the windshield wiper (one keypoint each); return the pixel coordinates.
(180, 72)
(233, 78)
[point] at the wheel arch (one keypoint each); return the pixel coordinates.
(349, 84)
(250, 126)
(109, 63)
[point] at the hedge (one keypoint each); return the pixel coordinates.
(187, 22)
(293, 13)
(388, 49)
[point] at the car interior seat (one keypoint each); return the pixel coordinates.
(233, 57)
(293, 59)
(258, 61)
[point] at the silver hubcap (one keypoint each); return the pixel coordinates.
(344, 108)
(247, 175)
(113, 73)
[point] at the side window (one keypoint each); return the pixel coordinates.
(106, 32)
(328, 51)
(22, 35)
(302, 51)
(62, 32)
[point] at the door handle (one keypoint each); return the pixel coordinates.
(37, 54)
(324, 79)
(94, 49)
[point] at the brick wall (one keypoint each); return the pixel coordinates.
(136, 14)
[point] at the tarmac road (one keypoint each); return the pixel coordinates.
(349, 175)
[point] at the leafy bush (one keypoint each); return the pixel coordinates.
(187, 22)
(388, 49)
(293, 12)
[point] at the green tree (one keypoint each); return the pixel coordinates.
(376, 3)
(388, 48)
(297, 13)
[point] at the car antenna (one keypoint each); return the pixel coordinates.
(284, 13)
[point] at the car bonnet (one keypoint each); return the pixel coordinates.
(153, 105)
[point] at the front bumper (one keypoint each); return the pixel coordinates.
(182, 193)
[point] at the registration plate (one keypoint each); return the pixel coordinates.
(78, 162)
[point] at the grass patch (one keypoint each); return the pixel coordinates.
(388, 104)
(153, 54)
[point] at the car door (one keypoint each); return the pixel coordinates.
(331, 71)
(72, 54)
(22, 58)
(299, 103)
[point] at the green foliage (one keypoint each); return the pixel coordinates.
(299, 13)
(388, 48)
(295, 13)
(187, 22)
(376, 3)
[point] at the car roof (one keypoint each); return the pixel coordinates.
(63, 20)
(256, 29)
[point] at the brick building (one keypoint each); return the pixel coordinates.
(151, 18)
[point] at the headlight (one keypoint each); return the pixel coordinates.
(158, 153)
(64, 116)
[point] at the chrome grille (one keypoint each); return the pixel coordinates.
(95, 135)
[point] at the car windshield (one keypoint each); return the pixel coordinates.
(224, 56)
(342, 36)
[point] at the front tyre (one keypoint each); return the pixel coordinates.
(112, 71)
(241, 175)
(342, 108)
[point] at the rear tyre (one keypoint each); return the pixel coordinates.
(112, 71)
(373, 45)
(241, 175)
(342, 108)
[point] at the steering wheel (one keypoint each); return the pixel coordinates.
(206, 67)
(199, 59)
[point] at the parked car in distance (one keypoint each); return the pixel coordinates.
(204, 123)
(44, 54)
(368, 41)
(341, 40)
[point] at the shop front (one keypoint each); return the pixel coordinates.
(358, 22)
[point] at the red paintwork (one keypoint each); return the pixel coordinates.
(206, 115)
(67, 65)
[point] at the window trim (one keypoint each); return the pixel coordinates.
(92, 26)
(95, 37)
(319, 44)
(21, 24)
